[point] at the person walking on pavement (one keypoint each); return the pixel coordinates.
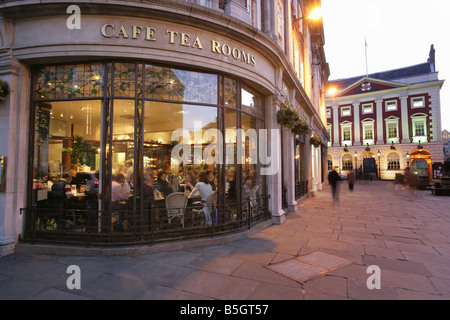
(333, 179)
(351, 180)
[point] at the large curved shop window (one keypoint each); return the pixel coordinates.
(99, 121)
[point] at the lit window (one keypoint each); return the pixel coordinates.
(368, 131)
(418, 102)
(346, 133)
(391, 105)
(347, 162)
(419, 128)
(345, 111)
(367, 108)
(393, 160)
(330, 162)
(392, 130)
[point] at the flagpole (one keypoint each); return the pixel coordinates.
(365, 47)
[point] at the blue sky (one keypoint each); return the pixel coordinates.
(399, 33)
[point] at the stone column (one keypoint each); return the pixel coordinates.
(356, 124)
(379, 122)
(336, 127)
(288, 151)
(274, 181)
(14, 129)
(404, 120)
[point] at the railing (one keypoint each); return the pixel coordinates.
(149, 225)
(301, 188)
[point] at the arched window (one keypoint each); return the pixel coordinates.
(347, 162)
(393, 161)
(330, 162)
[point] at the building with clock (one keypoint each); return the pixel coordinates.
(384, 123)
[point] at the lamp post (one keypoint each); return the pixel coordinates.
(356, 164)
(379, 164)
(407, 159)
(313, 15)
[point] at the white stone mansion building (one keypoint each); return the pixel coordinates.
(385, 122)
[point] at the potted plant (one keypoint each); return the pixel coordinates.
(287, 117)
(301, 127)
(81, 153)
(4, 90)
(316, 141)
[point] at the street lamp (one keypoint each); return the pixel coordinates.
(407, 159)
(379, 164)
(313, 15)
(356, 164)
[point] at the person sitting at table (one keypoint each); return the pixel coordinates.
(211, 181)
(120, 190)
(161, 183)
(188, 186)
(62, 186)
(202, 186)
(148, 187)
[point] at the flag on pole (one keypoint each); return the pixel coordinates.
(365, 47)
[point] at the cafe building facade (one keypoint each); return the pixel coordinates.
(147, 89)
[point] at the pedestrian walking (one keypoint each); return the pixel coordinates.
(333, 179)
(351, 180)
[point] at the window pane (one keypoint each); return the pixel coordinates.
(230, 93)
(122, 150)
(67, 140)
(347, 162)
(171, 84)
(420, 128)
(69, 81)
(346, 134)
(392, 130)
(161, 119)
(231, 178)
(252, 102)
(252, 180)
(391, 105)
(368, 131)
(417, 102)
(393, 161)
(124, 79)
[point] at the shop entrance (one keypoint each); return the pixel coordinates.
(421, 166)
(369, 167)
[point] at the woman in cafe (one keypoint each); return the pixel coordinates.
(203, 186)
(187, 184)
(120, 190)
(161, 183)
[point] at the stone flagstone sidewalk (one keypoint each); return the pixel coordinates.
(322, 251)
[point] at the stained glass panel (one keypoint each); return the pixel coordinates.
(162, 83)
(69, 81)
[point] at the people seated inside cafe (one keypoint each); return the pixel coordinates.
(120, 190)
(129, 171)
(161, 183)
(62, 187)
(186, 185)
(148, 187)
(203, 186)
(211, 179)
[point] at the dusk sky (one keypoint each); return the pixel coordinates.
(399, 33)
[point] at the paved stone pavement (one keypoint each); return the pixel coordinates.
(406, 235)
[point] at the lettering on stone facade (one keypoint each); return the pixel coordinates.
(177, 38)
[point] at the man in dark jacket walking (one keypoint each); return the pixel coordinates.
(333, 179)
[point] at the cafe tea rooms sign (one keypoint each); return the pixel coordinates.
(177, 38)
